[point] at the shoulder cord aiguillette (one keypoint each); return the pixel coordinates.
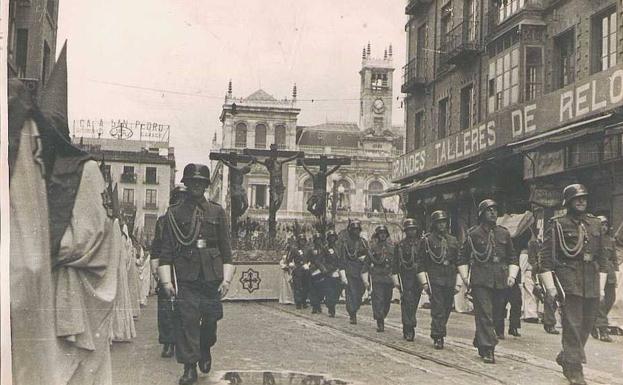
(484, 256)
(438, 259)
(193, 233)
(571, 252)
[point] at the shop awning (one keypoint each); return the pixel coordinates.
(435, 180)
(559, 135)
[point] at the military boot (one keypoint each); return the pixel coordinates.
(353, 319)
(332, 311)
(604, 335)
(489, 356)
(168, 350)
(380, 325)
(514, 332)
(190, 374)
(575, 375)
(595, 333)
(205, 364)
(438, 343)
(315, 310)
(550, 329)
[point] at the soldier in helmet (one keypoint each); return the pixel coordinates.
(573, 250)
(165, 311)
(379, 267)
(488, 264)
(601, 324)
(332, 274)
(317, 270)
(195, 241)
(353, 250)
(298, 262)
(404, 276)
(436, 261)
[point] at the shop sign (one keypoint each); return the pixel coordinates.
(580, 101)
(542, 163)
(123, 129)
(546, 196)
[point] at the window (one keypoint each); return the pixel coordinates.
(260, 196)
(260, 136)
(280, 136)
(149, 227)
(128, 196)
(564, 46)
(469, 16)
(446, 20)
(612, 146)
(241, 135)
(467, 106)
(421, 51)
(583, 153)
(12, 31)
(534, 73)
(343, 195)
(508, 8)
(21, 52)
(308, 189)
(151, 175)
(604, 41)
(128, 175)
(151, 198)
(374, 201)
(504, 79)
(379, 81)
(45, 68)
(419, 129)
(128, 169)
(106, 173)
(442, 119)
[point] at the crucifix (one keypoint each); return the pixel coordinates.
(274, 166)
(317, 203)
(238, 195)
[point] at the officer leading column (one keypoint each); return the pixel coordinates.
(332, 275)
(353, 251)
(379, 267)
(573, 257)
(405, 277)
(196, 243)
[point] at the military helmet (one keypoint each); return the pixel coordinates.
(196, 171)
(331, 233)
(573, 191)
(484, 205)
(438, 215)
(176, 192)
(317, 237)
(409, 223)
(354, 224)
(603, 219)
(381, 229)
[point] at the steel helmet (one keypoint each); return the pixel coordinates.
(301, 237)
(573, 191)
(439, 215)
(175, 194)
(317, 237)
(196, 171)
(331, 234)
(355, 224)
(484, 205)
(380, 229)
(603, 219)
(409, 223)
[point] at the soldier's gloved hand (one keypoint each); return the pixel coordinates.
(457, 288)
(552, 292)
(602, 296)
(223, 288)
(362, 258)
(426, 288)
(510, 281)
(344, 280)
(168, 288)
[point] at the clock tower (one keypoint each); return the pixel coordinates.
(375, 105)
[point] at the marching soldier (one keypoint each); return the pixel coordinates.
(297, 261)
(195, 242)
(165, 310)
(404, 275)
(488, 252)
(573, 250)
(436, 261)
(601, 324)
(379, 267)
(317, 270)
(332, 275)
(353, 251)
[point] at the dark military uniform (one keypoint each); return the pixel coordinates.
(437, 256)
(349, 251)
(609, 249)
(317, 270)
(578, 274)
(196, 241)
(379, 266)
(165, 306)
(332, 278)
(300, 275)
(405, 266)
(488, 253)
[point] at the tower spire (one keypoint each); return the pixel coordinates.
(363, 53)
(369, 50)
(229, 89)
(294, 92)
(391, 53)
(385, 54)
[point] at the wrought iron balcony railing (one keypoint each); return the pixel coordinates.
(127, 177)
(462, 42)
(506, 10)
(413, 6)
(414, 74)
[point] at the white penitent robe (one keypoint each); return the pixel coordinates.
(528, 299)
(285, 288)
(35, 349)
(85, 278)
(144, 275)
(123, 328)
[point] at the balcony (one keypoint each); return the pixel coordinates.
(461, 43)
(151, 180)
(128, 177)
(414, 6)
(150, 206)
(513, 12)
(128, 207)
(414, 75)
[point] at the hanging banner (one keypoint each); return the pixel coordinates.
(595, 95)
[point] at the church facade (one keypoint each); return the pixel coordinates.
(260, 120)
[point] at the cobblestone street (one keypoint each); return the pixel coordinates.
(255, 338)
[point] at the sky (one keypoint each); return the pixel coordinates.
(169, 61)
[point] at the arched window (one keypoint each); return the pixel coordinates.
(374, 201)
(280, 136)
(308, 189)
(241, 135)
(260, 136)
(343, 195)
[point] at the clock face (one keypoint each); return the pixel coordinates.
(378, 105)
